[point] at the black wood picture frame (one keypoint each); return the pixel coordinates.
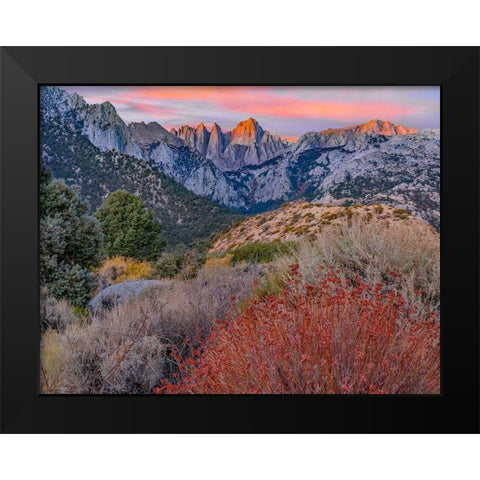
(455, 410)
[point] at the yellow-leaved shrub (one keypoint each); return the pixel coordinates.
(121, 269)
(214, 262)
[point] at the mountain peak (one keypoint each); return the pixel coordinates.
(251, 123)
(147, 133)
(381, 127)
(152, 126)
(247, 132)
(374, 127)
(108, 107)
(100, 122)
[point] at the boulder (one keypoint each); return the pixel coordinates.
(120, 292)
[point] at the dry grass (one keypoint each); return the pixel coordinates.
(56, 314)
(52, 356)
(129, 349)
(119, 353)
(376, 253)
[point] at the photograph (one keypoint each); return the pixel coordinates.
(239, 239)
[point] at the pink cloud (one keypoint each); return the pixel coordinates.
(262, 101)
(286, 110)
(151, 108)
(129, 102)
(293, 108)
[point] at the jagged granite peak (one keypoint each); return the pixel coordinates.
(246, 132)
(202, 137)
(246, 144)
(250, 145)
(217, 143)
(78, 101)
(55, 102)
(99, 122)
(107, 131)
(187, 134)
(148, 134)
(196, 138)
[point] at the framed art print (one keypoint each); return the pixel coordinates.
(261, 249)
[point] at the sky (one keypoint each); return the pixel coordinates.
(282, 110)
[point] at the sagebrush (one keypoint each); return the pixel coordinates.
(128, 349)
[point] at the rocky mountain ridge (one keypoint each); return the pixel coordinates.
(252, 170)
(247, 144)
(374, 127)
(100, 123)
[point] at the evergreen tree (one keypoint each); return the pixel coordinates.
(70, 242)
(129, 228)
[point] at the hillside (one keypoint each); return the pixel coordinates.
(308, 220)
(186, 218)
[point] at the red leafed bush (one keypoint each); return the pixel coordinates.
(334, 337)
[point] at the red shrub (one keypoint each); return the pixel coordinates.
(332, 337)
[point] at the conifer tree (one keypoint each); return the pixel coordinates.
(70, 242)
(129, 228)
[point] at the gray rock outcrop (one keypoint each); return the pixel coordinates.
(120, 292)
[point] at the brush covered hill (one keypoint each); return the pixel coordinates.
(301, 219)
